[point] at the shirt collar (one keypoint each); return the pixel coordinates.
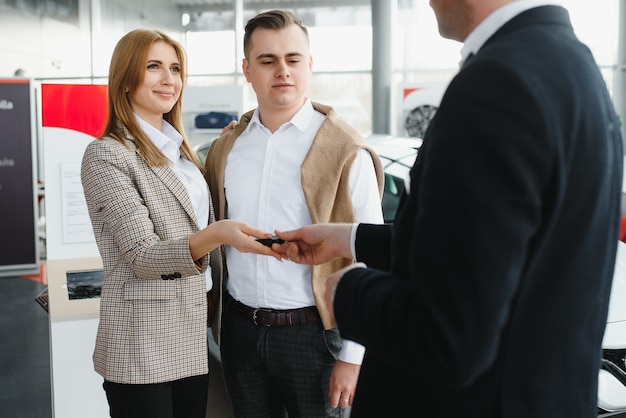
(476, 39)
(168, 139)
(300, 120)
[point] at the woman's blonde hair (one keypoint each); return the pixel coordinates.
(126, 73)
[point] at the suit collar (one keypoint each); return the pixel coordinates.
(496, 20)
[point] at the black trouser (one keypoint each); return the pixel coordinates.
(273, 372)
(184, 398)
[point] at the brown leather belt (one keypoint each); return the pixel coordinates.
(275, 317)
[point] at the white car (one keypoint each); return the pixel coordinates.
(419, 105)
(397, 155)
(612, 375)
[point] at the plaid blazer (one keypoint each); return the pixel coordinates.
(153, 306)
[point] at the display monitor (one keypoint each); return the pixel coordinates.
(84, 284)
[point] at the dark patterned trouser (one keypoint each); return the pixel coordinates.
(278, 372)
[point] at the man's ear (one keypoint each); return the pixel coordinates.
(245, 68)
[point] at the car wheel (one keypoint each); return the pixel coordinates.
(417, 120)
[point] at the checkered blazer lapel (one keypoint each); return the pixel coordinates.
(215, 256)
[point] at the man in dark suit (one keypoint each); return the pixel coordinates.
(488, 296)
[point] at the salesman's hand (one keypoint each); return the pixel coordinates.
(343, 380)
(315, 244)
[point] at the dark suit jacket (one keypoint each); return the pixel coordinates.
(489, 296)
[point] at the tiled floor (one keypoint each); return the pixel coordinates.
(24, 351)
(25, 390)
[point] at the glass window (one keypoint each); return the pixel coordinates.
(211, 52)
(66, 40)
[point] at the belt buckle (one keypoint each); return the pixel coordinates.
(254, 315)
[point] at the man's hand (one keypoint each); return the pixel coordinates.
(315, 244)
(343, 379)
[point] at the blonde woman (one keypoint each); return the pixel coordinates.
(153, 221)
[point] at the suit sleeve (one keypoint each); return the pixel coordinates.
(372, 245)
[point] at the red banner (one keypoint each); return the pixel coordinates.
(78, 107)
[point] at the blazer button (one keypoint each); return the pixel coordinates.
(171, 276)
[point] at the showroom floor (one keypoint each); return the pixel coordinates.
(24, 351)
(25, 390)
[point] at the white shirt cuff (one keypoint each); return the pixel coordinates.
(353, 240)
(351, 352)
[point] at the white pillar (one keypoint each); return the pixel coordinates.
(383, 13)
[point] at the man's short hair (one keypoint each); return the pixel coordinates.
(273, 19)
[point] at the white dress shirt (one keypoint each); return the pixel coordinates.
(262, 183)
(169, 140)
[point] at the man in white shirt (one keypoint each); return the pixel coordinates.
(290, 162)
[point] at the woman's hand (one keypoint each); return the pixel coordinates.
(243, 237)
(237, 234)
